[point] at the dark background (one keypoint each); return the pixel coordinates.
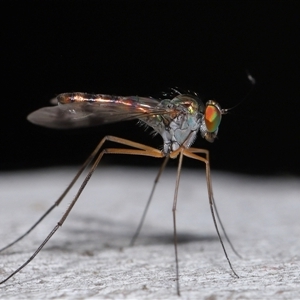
(143, 48)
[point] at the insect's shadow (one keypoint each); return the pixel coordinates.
(87, 235)
(95, 234)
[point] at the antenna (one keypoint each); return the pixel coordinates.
(253, 82)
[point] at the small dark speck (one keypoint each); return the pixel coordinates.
(42, 281)
(87, 253)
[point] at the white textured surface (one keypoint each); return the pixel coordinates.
(89, 257)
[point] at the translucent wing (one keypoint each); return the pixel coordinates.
(75, 110)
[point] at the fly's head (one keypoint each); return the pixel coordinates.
(211, 120)
(197, 116)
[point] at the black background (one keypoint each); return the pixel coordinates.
(143, 48)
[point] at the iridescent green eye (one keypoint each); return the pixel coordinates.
(212, 117)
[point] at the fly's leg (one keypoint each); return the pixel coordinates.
(206, 153)
(62, 196)
(191, 154)
(174, 220)
(140, 150)
(137, 232)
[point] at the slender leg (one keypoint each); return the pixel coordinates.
(137, 232)
(141, 150)
(192, 155)
(62, 196)
(206, 153)
(174, 221)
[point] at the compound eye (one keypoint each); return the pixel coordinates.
(212, 117)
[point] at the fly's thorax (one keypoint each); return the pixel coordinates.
(181, 122)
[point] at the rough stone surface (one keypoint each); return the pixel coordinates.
(90, 258)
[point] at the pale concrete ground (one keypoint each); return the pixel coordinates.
(89, 257)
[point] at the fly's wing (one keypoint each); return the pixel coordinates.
(76, 110)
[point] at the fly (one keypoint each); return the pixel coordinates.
(178, 121)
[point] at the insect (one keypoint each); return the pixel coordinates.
(177, 120)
